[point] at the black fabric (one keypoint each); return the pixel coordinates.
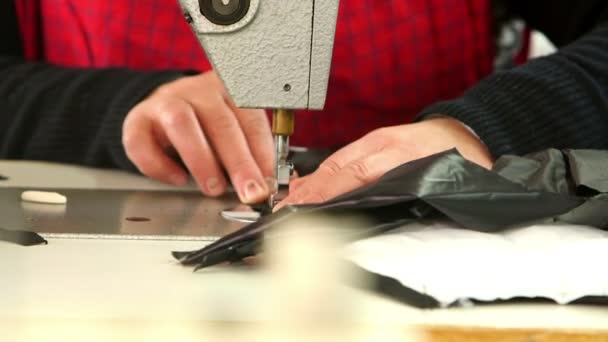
(580, 172)
(69, 115)
(588, 169)
(519, 191)
(73, 115)
(308, 161)
(21, 237)
(549, 186)
(391, 288)
(546, 170)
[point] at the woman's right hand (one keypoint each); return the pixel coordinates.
(195, 118)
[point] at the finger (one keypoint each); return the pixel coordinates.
(225, 133)
(144, 150)
(258, 134)
(329, 168)
(365, 146)
(180, 124)
(322, 187)
(295, 183)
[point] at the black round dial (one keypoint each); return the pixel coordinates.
(224, 12)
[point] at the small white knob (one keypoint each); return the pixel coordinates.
(43, 197)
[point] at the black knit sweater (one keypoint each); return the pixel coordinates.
(557, 101)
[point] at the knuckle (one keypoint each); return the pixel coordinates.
(131, 140)
(173, 117)
(258, 136)
(127, 130)
(213, 102)
(330, 166)
(128, 140)
(213, 111)
(382, 138)
(359, 170)
(223, 123)
(257, 126)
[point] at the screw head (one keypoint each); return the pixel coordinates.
(188, 18)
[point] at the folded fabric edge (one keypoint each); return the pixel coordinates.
(22, 237)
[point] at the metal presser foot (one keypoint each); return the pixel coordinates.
(283, 170)
(282, 129)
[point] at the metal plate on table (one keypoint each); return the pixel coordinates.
(120, 214)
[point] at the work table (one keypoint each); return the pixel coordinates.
(132, 287)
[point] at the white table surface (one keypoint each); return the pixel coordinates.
(71, 287)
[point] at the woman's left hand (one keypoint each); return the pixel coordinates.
(367, 159)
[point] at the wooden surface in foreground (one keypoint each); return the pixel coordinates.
(457, 334)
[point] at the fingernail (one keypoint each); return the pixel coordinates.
(272, 184)
(178, 179)
(253, 192)
(212, 184)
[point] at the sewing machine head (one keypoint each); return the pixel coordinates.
(269, 53)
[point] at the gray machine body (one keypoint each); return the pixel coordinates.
(277, 56)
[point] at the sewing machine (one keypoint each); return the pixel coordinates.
(270, 54)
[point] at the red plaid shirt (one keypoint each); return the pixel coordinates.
(391, 58)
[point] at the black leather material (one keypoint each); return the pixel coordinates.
(567, 186)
